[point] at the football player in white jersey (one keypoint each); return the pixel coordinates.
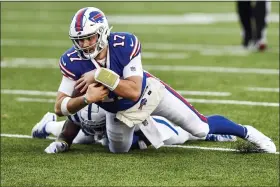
(128, 94)
(93, 130)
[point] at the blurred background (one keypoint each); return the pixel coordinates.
(204, 28)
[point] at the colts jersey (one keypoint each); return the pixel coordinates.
(123, 47)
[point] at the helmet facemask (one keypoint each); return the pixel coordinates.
(92, 128)
(102, 41)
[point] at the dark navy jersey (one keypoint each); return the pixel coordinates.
(123, 47)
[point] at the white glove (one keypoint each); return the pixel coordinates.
(101, 140)
(56, 147)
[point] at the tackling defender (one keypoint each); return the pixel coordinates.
(129, 95)
(93, 130)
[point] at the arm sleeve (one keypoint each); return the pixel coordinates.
(133, 68)
(67, 86)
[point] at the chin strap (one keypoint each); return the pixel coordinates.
(102, 62)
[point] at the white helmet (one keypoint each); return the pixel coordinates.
(87, 22)
(93, 120)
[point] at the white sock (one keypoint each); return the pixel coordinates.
(54, 127)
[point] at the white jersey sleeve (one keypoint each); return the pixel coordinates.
(133, 68)
(67, 86)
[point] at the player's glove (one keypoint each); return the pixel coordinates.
(56, 147)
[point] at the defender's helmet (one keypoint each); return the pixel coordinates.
(93, 120)
(86, 23)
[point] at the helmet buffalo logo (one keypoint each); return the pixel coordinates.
(96, 17)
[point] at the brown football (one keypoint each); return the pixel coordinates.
(77, 93)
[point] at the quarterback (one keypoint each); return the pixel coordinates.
(106, 68)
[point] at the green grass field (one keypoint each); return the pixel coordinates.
(34, 35)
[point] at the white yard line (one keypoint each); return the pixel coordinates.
(206, 148)
(204, 49)
(261, 89)
(159, 29)
(36, 100)
(233, 102)
(211, 69)
(48, 93)
(206, 101)
(190, 18)
(172, 146)
(203, 93)
(21, 136)
(35, 43)
(166, 19)
(28, 92)
(53, 63)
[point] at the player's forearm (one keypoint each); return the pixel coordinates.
(128, 89)
(69, 132)
(76, 104)
(72, 106)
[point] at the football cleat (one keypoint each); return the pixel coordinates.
(39, 130)
(263, 143)
(220, 138)
(261, 46)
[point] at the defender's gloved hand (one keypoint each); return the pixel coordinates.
(56, 147)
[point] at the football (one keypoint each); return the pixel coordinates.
(77, 93)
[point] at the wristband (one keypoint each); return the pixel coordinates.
(63, 106)
(85, 100)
